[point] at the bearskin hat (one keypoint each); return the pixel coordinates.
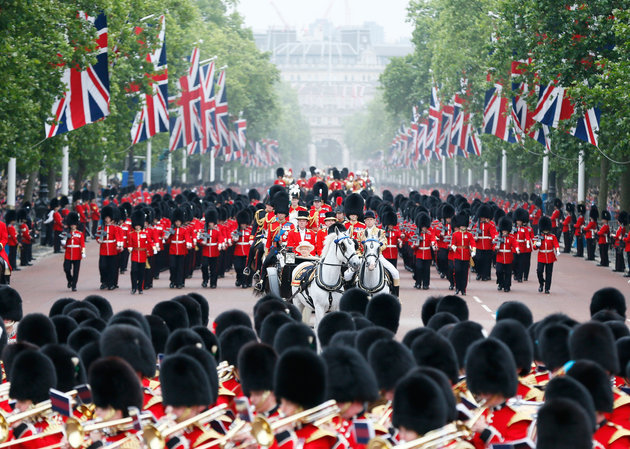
(447, 211)
(229, 318)
(348, 375)
(515, 310)
(178, 215)
(253, 194)
(320, 190)
(353, 205)
(557, 203)
(180, 338)
(594, 213)
(279, 172)
(422, 220)
(210, 341)
(389, 218)
(37, 328)
(232, 340)
(606, 215)
(300, 377)
(280, 202)
(521, 215)
(82, 336)
(553, 344)
(159, 332)
(10, 215)
(72, 219)
(431, 349)
(570, 207)
(623, 218)
(64, 325)
(607, 298)
(544, 224)
(32, 375)
(294, 335)
(581, 208)
(131, 344)
(354, 300)
(212, 216)
(103, 305)
(137, 218)
(490, 368)
(596, 381)
(54, 202)
(193, 310)
(384, 310)
(484, 211)
(69, 369)
(419, 404)
(461, 219)
(173, 312)
(10, 303)
(455, 305)
(462, 335)
(594, 341)
(256, 364)
(209, 365)
(204, 306)
(332, 323)
(563, 424)
(115, 384)
(243, 217)
(441, 319)
(390, 361)
(132, 317)
(514, 335)
(505, 224)
(566, 387)
(178, 372)
(428, 308)
(271, 324)
(366, 337)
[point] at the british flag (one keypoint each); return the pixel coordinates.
(459, 127)
(523, 117)
(435, 126)
(86, 99)
(186, 127)
(222, 117)
(210, 138)
(447, 149)
(496, 117)
(588, 126)
(153, 118)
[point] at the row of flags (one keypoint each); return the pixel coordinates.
(197, 119)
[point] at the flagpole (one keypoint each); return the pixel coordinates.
(65, 169)
(581, 193)
(169, 170)
(545, 173)
(212, 155)
(455, 174)
(485, 175)
(184, 157)
(470, 181)
(11, 183)
(504, 171)
(443, 169)
(148, 164)
(428, 171)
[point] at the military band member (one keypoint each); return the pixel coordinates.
(422, 243)
(179, 243)
(485, 232)
(524, 236)
(556, 216)
(74, 246)
(109, 238)
(57, 225)
(140, 247)
(95, 213)
(25, 238)
(256, 365)
(590, 231)
(603, 239)
(443, 235)
(280, 177)
(10, 311)
(548, 248)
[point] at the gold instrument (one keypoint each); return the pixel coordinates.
(225, 371)
(239, 427)
(36, 436)
(7, 421)
(263, 431)
(155, 436)
(76, 431)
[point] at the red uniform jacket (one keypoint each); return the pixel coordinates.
(620, 236)
(179, 242)
(140, 245)
(25, 234)
(244, 242)
(210, 246)
(485, 234)
(422, 244)
(604, 235)
(4, 239)
(12, 239)
(36, 428)
(524, 239)
(534, 214)
(278, 232)
(309, 437)
(506, 426)
(443, 234)
(57, 222)
(394, 237)
(555, 216)
(506, 249)
(578, 225)
(590, 229)
(95, 212)
(110, 241)
(547, 249)
(566, 223)
(316, 217)
(611, 436)
(355, 229)
(75, 245)
(462, 244)
(319, 240)
(295, 238)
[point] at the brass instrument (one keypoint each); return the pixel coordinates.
(76, 431)
(7, 421)
(239, 427)
(225, 371)
(155, 436)
(263, 431)
(30, 438)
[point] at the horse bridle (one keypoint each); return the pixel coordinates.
(336, 241)
(375, 256)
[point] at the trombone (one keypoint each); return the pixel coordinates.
(155, 436)
(263, 430)
(76, 431)
(239, 427)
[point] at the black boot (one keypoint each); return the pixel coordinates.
(395, 290)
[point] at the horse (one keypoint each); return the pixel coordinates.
(372, 276)
(318, 285)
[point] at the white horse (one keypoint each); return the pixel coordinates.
(372, 276)
(322, 291)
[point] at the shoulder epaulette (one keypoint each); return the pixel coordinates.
(208, 434)
(518, 417)
(620, 433)
(319, 434)
(622, 398)
(153, 401)
(225, 392)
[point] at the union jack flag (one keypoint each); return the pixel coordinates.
(210, 139)
(496, 119)
(186, 127)
(446, 147)
(153, 118)
(435, 126)
(86, 99)
(588, 126)
(222, 117)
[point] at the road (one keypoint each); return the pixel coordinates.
(574, 281)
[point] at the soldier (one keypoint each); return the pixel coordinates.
(25, 238)
(556, 216)
(463, 247)
(522, 261)
(590, 231)
(179, 243)
(443, 236)
(10, 311)
(505, 247)
(57, 225)
(279, 226)
(394, 237)
(110, 240)
(579, 231)
(95, 214)
(484, 235)
(353, 208)
(140, 248)
(256, 365)
(371, 231)
(619, 242)
(242, 242)
(5, 266)
(548, 248)
(422, 243)
(210, 241)
(280, 177)
(12, 239)
(74, 246)
(319, 209)
(568, 221)
(604, 239)
(329, 220)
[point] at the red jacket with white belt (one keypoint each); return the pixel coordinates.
(547, 248)
(179, 242)
(210, 244)
(75, 246)
(140, 245)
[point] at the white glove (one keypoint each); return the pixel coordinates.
(188, 245)
(453, 247)
(473, 252)
(558, 252)
(83, 255)
(63, 243)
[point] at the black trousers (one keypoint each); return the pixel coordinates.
(603, 255)
(176, 268)
(137, 275)
(49, 235)
(483, 262)
(590, 249)
(580, 246)
(521, 266)
(12, 255)
(422, 272)
(123, 258)
(209, 270)
(25, 254)
(547, 269)
(619, 262)
(504, 275)
(239, 266)
(108, 268)
(71, 268)
(568, 241)
(461, 274)
(148, 272)
(94, 227)
(57, 241)
(442, 262)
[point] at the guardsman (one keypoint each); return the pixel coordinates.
(256, 366)
(319, 209)
(505, 247)
(25, 238)
(579, 230)
(95, 214)
(302, 239)
(556, 216)
(603, 239)
(590, 231)
(336, 183)
(535, 212)
(110, 240)
(179, 243)
(443, 235)
(210, 240)
(75, 250)
(422, 242)
(329, 220)
(485, 233)
(140, 247)
(522, 260)
(567, 223)
(280, 177)
(394, 237)
(463, 248)
(5, 266)
(242, 244)
(12, 238)
(57, 225)
(548, 248)
(619, 242)
(353, 208)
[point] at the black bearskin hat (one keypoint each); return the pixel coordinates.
(581, 208)
(607, 298)
(563, 424)
(384, 310)
(72, 219)
(461, 219)
(69, 369)
(348, 375)
(419, 404)
(280, 202)
(271, 324)
(453, 304)
(594, 213)
(300, 377)
(10, 215)
(390, 362)
(332, 323)
(521, 214)
(10, 303)
(178, 215)
(64, 325)
(114, 384)
(606, 215)
(279, 172)
(103, 305)
(490, 368)
(431, 349)
(544, 224)
(159, 332)
(204, 307)
(566, 387)
(137, 218)
(212, 216)
(353, 205)
(423, 220)
(294, 335)
(557, 203)
(623, 218)
(553, 345)
(180, 372)
(173, 312)
(32, 375)
(253, 194)
(193, 310)
(596, 381)
(229, 318)
(354, 300)
(37, 328)
(256, 365)
(243, 217)
(209, 365)
(463, 335)
(505, 224)
(515, 310)
(232, 340)
(131, 344)
(180, 338)
(447, 211)
(594, 341)
(320, 190)
(515, 336)
(389, 218)
(484, 211)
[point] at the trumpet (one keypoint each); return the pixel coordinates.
(263, 431)
(225, 371)
(155, 436)
(76, 431)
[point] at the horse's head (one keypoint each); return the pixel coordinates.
(371, 248)
(346, 251)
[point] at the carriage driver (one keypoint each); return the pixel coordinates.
(373, 232)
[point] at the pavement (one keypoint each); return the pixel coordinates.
(574, 281)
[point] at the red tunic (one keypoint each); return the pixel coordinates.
(110, 239)
(12, 239)
(422, 244)
(578, 225)
(309, 437)
(355, 229)
(555, 216)
(462, 244)
(506, 426)
(523, 239)
(590, 229)
(278, 232)
(506, 249)
(210, 244)
(566, 223)
(25, 234)
(547, 248)
(611, 436)
(604, 235)
(179, 242)
(140, 245)
(295, 238)
(394, 238)
(57, 222)
(75, 246)
(486, 232)
(244, 242)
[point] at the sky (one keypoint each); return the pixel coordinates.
(390, 14)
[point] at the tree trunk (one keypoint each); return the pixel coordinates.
(624, 186)
(96, 188)
(78, 179)
(602, 200)
(30, 186)
(52, 183)
(560, 186)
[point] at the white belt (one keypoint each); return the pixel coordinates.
(213, 244)
(521, 241)
(484, 237)
(243, 243)
(73, 246)
(424, 247)
(545, 251)
(505, 250)
(178, 241)
(109, 241)
(391, 246)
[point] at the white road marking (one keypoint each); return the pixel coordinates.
(486, 308)
(476, 298)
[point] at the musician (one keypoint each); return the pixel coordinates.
(485, 233)
(329, 220)
(210, 241)
(548, 248)
(394, 237)
(619, 242)
(256, 364)
(242, 243)
(566, 227)
(302, 235)
(505, 247)
(140, 247)
(74, 246)
(463, 248)
(603, 239)
(10, 311)
(353, 208)
(590, 231)
(319, 209)
(422, 243)
(179, 243)
(10, 218)
(109, 237)
(579, 230)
